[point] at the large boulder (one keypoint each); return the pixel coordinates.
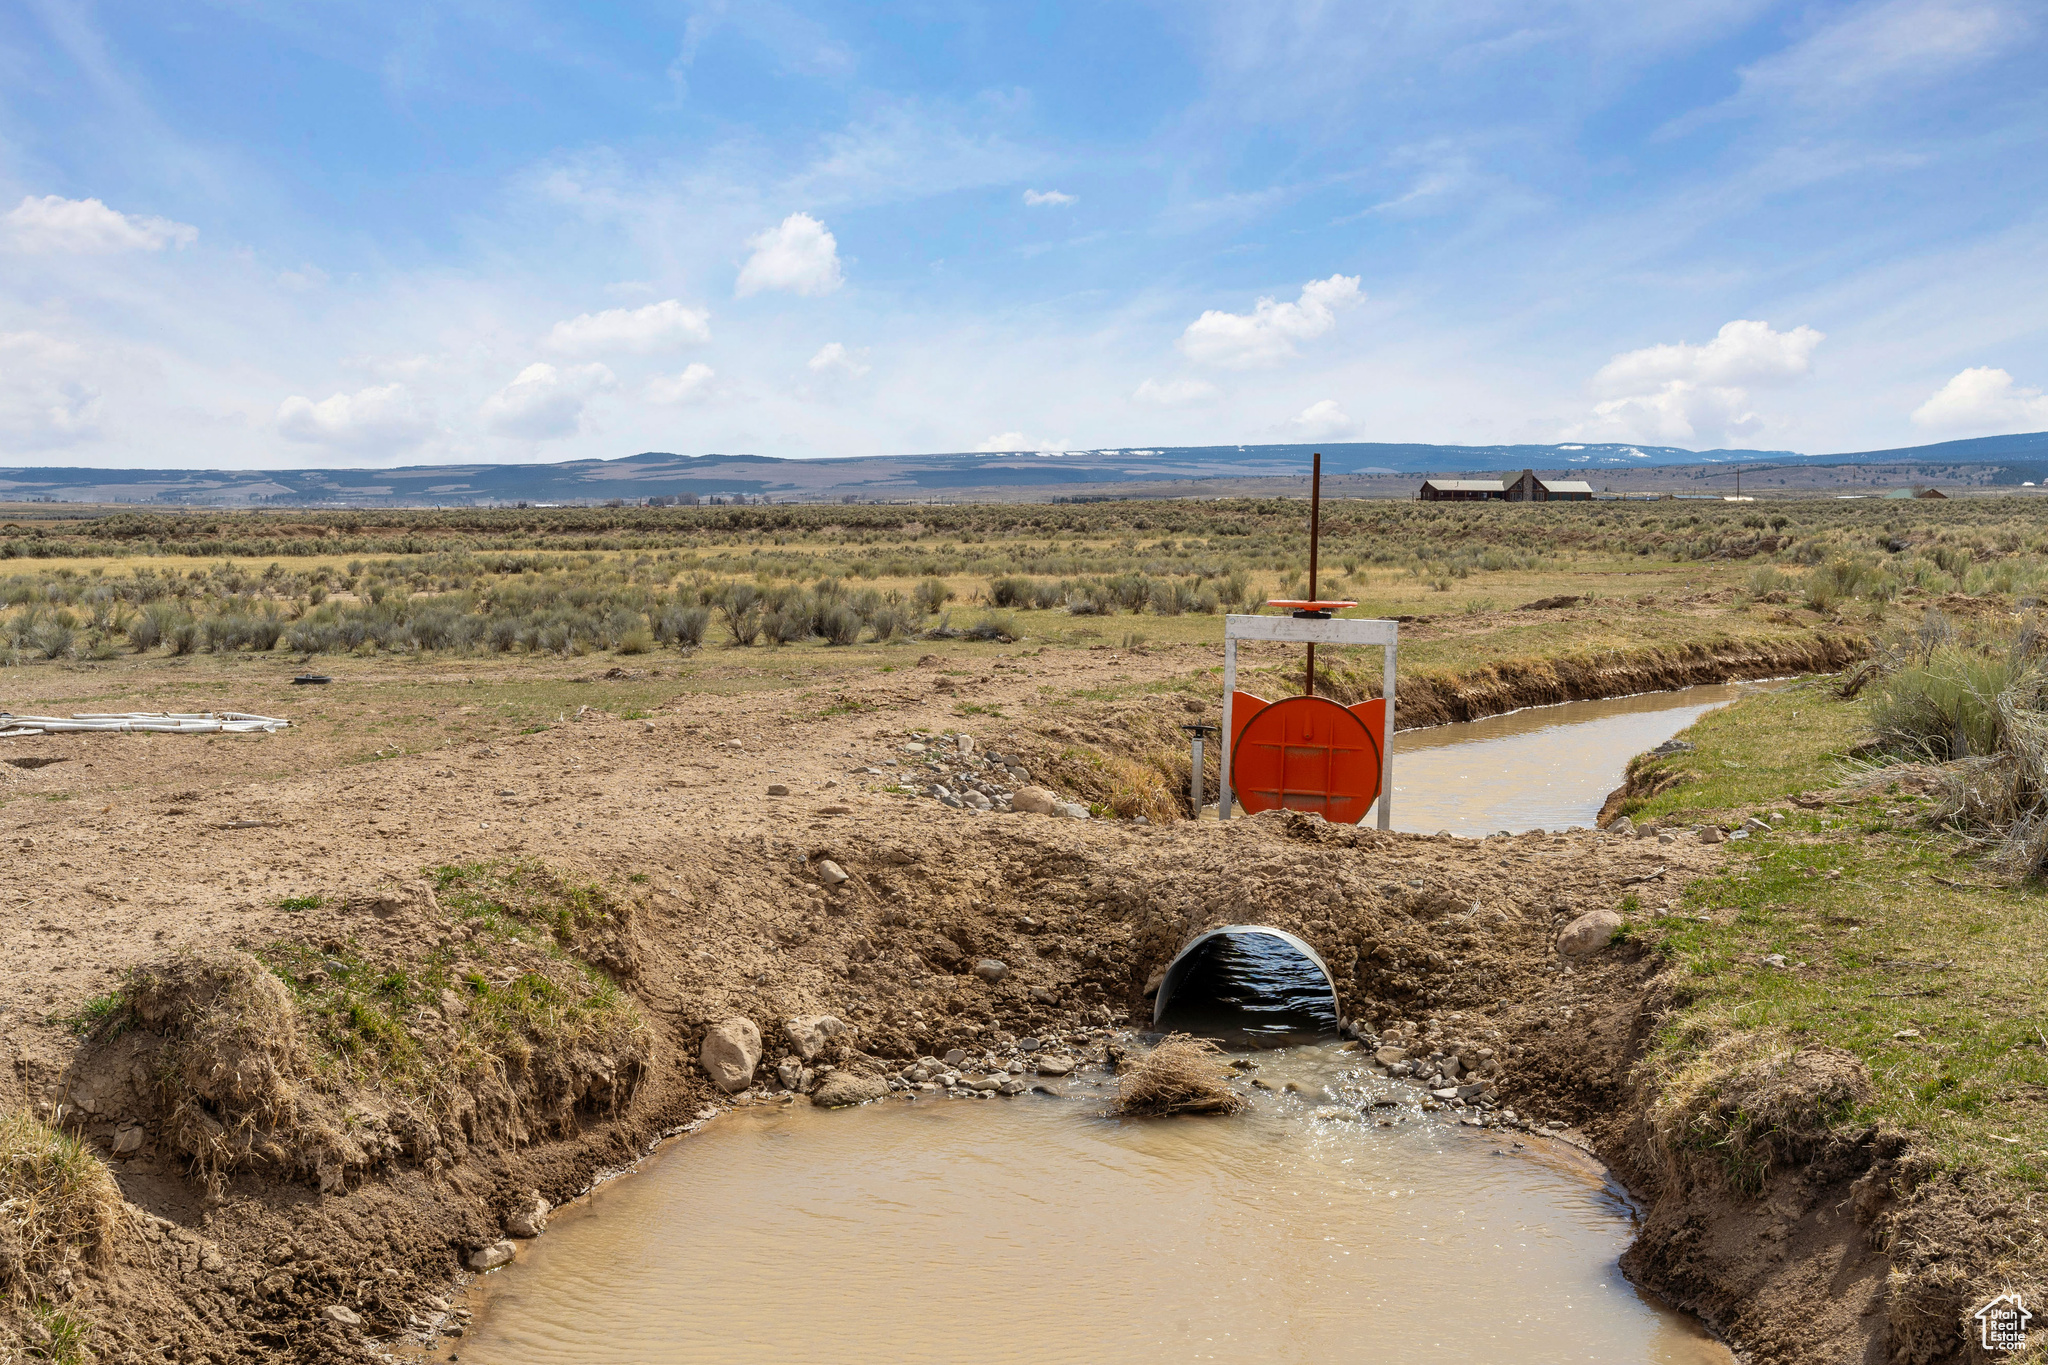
(810, 1031)
(844, 1087)
(1589, 933)
(731, 1051)
(1034, 801)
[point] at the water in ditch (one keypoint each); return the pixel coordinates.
(1038, 1229)
(1544, 767)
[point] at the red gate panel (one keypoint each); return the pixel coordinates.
(1307, 754)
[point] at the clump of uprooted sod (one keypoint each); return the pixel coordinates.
(1182, 1075)
(319, 1062)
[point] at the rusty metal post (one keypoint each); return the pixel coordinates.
(1196, 732)
(1315, 535)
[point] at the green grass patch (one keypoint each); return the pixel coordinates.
(107, 1012)
(302, 902)
(1860, 927)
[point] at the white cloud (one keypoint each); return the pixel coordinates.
(1266, 335)
(46, 397)
(834, 358)
(693, 385)
(660, 326)
(1323, 421)
(1174, 393)
(544, 402)
(1742, 352)
(383, 418)
(53, 224)
(799, 256)
(1049, 199)
(1985, 401)
(1681, 392)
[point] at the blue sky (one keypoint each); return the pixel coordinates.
(258, 233)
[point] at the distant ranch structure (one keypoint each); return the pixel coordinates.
(1524, 488)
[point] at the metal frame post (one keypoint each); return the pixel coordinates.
(1224, 797)
(1387, 737)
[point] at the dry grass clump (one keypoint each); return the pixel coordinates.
(58, 1204)
(1179, 1076)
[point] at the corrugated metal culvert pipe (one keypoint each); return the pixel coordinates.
(1250, 985)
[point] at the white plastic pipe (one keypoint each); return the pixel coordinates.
(144, 722)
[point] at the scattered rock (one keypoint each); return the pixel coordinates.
(956, 1056)
(983, 1082)
(1622, 825)
(341, 1316)
(128, 1140)
(1589, 933)
(811, 1031)
(831, 873)
(1390, 1054)
(530, 1221)
(731, 1051)
(842, 1088)
(1712, 834)
(777, 789)
(991, 970)
(1074, 810)
(1052, 1066)
(1034, 801)
(492, 1256)
(1011, 1086)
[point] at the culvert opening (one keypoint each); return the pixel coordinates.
(1249, 986)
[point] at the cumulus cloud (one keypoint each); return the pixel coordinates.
(663, 326)
(1042, 199)
(47, 398)
(693, 385)
(545, 402)
(1323, 421)
(1174, 393)
(798, 256)
(54, 225)
(1983, 400)
(1682, 392)
(383, 418)
(834, 358)
(1267, 335)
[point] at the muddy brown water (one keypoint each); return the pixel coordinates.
(1544, 767)
(1039, 1229)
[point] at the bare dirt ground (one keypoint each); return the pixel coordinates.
(256, 1208)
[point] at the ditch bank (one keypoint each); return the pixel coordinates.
(292, 1179)
(1444, 698)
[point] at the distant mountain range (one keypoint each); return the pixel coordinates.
(886, 478)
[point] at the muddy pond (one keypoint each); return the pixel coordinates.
(1333, 1221)
(1037, 1229)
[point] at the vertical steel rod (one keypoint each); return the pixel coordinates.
(1315, 535)
(1195, 780)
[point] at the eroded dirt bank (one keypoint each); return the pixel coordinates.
(311, 1140)
(1512, 684)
